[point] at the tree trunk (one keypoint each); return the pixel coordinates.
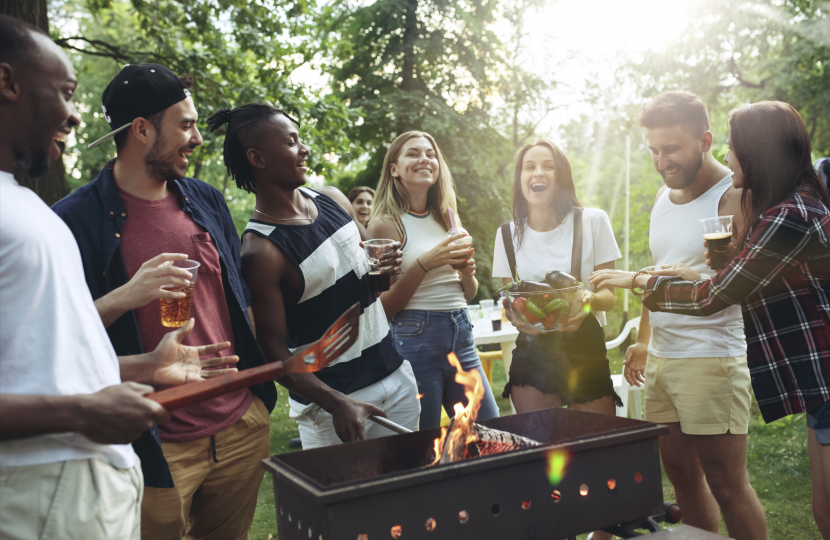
(51, 187)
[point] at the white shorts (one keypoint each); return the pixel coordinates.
(397, 395)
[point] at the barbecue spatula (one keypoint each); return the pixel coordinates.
(338, 338)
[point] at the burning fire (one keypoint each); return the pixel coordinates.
(460, 432)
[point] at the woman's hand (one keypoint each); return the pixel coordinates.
(680, 270)
(608, 279)
(634, 365)
(445, 253)
(470, 269)
(572, 324)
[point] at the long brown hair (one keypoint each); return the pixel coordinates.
(564, 199)
(772, 145)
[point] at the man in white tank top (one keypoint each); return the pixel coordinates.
(694, 368)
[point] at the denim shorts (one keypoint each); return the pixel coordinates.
(819, 420)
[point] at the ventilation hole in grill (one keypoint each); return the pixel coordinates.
(309, 532)
(289, 516)
(281, 512)
(526, 504)
(583, 490)
(430, 525)
(556, 496)
(362, 537)
(612, 483)
(638, 477)
(396, 531)
(299, 525)
(496, 509)
(463, 516)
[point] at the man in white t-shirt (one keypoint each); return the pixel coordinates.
(694, 368)
(66, 420)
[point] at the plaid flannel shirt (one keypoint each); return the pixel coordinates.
(782, 280)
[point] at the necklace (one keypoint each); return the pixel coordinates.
(307, 214)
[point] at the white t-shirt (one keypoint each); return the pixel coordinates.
(542, 252)
(52, 340)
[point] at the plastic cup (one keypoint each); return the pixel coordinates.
(495, 318)
(462, 243)
(717, 232)
(176, 312)
(375, 249)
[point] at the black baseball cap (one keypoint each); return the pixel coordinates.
(139, 91)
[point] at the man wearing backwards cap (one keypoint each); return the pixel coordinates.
(64, 418)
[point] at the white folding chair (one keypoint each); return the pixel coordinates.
(628, 394)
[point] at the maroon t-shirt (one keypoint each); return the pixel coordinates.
(154, 227)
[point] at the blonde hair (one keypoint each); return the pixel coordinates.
(391, 200)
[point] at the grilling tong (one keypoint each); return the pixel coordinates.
(338, 339)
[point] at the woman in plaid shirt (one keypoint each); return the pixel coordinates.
(781, 277)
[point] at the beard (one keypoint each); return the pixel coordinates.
(160, 167)
(40, 163)
(688, 175)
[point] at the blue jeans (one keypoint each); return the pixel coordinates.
(425, 338)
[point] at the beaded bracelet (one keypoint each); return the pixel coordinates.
(637, 291)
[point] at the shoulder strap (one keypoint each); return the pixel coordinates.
(508, 248)
(576, 254)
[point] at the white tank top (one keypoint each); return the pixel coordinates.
(676, 236)
(441, 288)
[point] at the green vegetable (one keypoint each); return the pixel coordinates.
(555, 304)
(533, 308)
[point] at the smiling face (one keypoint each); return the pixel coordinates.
(539, 177)
(677, 155)
(731, 160)
(175, 137)
(43, 110)
(417, 166)
(363, 207)
(281, 155)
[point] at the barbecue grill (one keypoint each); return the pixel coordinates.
(383, 488)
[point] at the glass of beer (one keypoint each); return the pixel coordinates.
(463, 244)
(176, 312)
(717, 232)
(375, 249)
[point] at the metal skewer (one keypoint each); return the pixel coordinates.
(389, 424)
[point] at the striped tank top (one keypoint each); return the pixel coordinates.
(334, 272)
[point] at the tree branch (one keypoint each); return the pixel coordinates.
(743, 82)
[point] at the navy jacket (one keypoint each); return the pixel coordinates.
(95, 214)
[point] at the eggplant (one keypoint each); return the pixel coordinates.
(510, 287)
(560, 280)
(533, 286)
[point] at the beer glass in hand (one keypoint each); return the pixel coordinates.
(718, 234)
(375, 249)
(176, 312)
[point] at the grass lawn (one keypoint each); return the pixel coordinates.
(778, 468)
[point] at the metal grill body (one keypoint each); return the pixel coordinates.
(364, 490)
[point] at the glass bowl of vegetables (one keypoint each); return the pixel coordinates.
(545, 305)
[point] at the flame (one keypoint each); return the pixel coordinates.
(421, 395)
(462, 424)
(557, 461)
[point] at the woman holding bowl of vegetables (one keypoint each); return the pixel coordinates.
(551, 236)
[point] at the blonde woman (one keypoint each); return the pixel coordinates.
(428, 302)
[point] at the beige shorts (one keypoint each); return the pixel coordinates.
(708, 396)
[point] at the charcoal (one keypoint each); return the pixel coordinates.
(487, 442)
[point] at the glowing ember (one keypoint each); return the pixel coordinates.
(556, 496)
(638, 477)
(397, 531)
(526, 504)
(557, 460)
(612, 484)
(421, 395)
(430, 524)
(463, 516)
(583, 490)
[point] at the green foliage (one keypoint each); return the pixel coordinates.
(743, 51)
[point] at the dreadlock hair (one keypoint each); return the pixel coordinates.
(242, 122)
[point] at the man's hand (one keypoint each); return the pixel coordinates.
(390, 262)
(146, 284)
(348, 417)
(634, 365)
(119, 414)
(175, 364)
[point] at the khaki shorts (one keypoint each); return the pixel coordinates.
(85, 499)
(708, 396)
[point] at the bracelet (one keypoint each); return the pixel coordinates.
(422, 266)
(636, 291)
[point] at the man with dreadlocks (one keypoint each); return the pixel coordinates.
(139, 213)
(301, 257)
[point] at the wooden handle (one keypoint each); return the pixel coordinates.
(188, 394)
